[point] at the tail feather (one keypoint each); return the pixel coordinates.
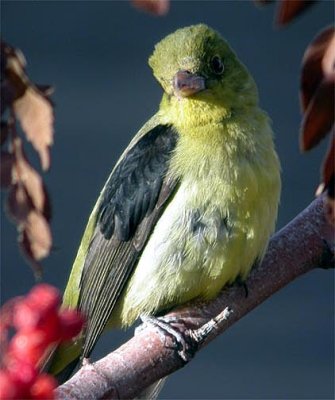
(63, 360)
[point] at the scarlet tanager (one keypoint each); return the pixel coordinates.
(191, 203)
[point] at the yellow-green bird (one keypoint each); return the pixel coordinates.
(191, 203)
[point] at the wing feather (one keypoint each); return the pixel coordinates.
(132, 201)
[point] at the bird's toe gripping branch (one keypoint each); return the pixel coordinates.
(187, 341)
(184, 347)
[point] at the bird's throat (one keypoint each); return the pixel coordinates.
(188, 114)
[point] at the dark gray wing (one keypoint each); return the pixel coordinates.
(132, 202)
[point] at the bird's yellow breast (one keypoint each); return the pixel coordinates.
(217, 224)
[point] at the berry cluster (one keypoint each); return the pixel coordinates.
(39, 324)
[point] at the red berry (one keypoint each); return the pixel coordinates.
(44, 387)
(8, 387)
(71, 323)
(6, 312)
(44, 297)
(22, 372)
(51, 327)
(26, 315)
(28, 345)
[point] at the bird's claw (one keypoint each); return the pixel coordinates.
(163, 324)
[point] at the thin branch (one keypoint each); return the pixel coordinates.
(304, 244)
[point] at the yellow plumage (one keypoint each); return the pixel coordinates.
(221, 210)
(236, 179)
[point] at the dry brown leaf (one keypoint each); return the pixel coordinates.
(30, 102)
(47, 90)
(156, 7)
(15, 56)
(287, 10)
(19, 204)
(6, 168)
(8, 95)
(290, 9)
(4, 132)
(35, 114)
(330, 201)
(35, 237)
(329, 167)
(25, 174)
(319, 116)
(28, 202)
(317, 62)
(14, 81)
(36, 240)
(317, 98)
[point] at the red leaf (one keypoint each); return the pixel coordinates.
(290, 9)
(156, 7)
(319, 116)
(318, 61)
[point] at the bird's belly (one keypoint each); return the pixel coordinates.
(193, 252)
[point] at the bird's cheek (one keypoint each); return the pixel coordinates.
(211, 84)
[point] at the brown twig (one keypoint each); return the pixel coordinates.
(304, 244)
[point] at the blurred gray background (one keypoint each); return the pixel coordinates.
(95, 54)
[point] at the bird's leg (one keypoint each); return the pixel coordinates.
(163, 325)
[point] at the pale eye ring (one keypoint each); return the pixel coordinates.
(217, 65)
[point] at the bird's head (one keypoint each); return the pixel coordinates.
(196, 63)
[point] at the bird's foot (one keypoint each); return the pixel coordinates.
(163, 324)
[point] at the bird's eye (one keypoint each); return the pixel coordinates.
(217, 65)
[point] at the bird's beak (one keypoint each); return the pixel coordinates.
(185, 83)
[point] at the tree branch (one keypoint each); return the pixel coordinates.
(304, 244)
